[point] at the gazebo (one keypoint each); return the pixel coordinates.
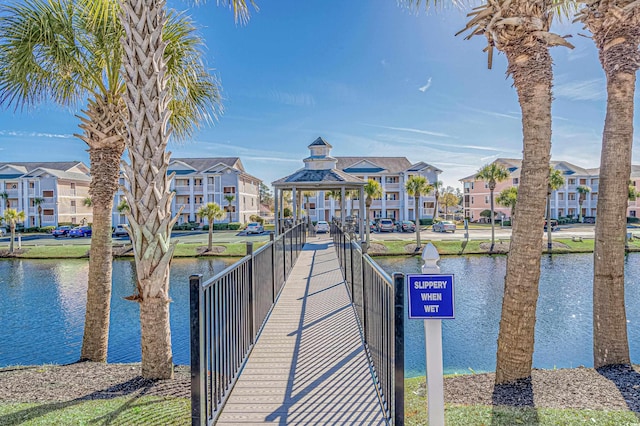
(319, 174)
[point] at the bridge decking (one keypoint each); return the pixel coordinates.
(309, 365)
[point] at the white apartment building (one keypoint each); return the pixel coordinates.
(61, 188)
(391, 172)
(564, 202)
(199, 181)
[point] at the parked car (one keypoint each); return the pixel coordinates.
(61, 231)
(406, 226)
(80, 231)
(554, 225)
(444, 226)
(3, 232)
(322, 227)
(385, 225)
(254, 228)
(120, 231)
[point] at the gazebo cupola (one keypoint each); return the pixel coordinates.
(320, 158)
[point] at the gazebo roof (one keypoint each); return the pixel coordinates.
(305, 178)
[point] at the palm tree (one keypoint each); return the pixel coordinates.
(37, 202)
(556, 180)
(583, 190)
(492, 174)
(211, 211)
(86, 63)
(521, 30)
(438, 185)
(372, 189)
(633, 193)
(416, 186)
(12, 217)
(230, 199)
(614, 28)
(508, 197)
(5, 197)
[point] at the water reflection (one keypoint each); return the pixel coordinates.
(564, 317)
(42, 306)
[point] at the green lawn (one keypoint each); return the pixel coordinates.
(145, 410)
(480, 415)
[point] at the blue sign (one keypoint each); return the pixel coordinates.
(430, 296)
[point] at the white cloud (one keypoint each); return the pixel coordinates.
(21, 134)
(411, 130)
(587, 90)
(294, 99)
(426, 86)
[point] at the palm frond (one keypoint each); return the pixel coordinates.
(240, 8)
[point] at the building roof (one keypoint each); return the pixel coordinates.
(320, 142)
(514, 166)
(387, 164)
(319, 179)
(202, 164)
(53, 165)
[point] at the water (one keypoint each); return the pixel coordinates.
(564, 319)
(42, 306)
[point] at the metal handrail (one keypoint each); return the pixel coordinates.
(228, 312)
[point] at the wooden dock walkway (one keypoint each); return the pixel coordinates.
(309, 365)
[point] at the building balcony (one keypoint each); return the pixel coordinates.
(392, 204)
(391, 187)
(181, 189)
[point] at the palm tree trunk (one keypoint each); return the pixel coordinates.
(210, 246)
(104, 134)
(493, 223)
(532, 75)
(610, 341)
(367, 226)
(12, 228)
(435, 210)
(418, 244)
(149, 197)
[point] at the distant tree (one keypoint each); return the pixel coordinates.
(485, 213)
(582, 190)
(211, 211)
(633, 193)
(12, 217)
(416, 186)
(492, 174)
(5, 197)
(266, 196)
(37, 202)
(556, 180)
(448, 199)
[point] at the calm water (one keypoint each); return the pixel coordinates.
(42, 307)
(564, 320)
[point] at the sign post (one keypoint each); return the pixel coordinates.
(431, 298)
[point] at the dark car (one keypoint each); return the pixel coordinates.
(80, 231)
(385, 225)
(406, 226)
(61, 231)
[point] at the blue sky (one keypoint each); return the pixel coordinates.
(370, 77)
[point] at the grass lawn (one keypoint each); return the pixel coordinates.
(480, 415)
(146, 410)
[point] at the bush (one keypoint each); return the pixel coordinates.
(256, 218)
(633, 219)
(426, 222)
(220, 226)
(234, 226)
(47, 229)
(506, 223)
(31, 230)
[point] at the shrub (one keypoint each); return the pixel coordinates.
(31, 230)
(633, 219)
(220, 226)
(47, 229)
(507, 223)
(426, 222)
(256, 218)
(234, 226)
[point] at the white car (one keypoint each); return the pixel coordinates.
(322, 227)
(120, 231)
(254, 228)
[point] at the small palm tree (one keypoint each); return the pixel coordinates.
(211, 211)
(230, 199)
(492, 174)
(416, 186)
(12, 217)
(508, 198)
(582, 190)
(372, 189)
(5, 197)
(37, 202)
(556, 180)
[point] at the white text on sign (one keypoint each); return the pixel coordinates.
(422, 285)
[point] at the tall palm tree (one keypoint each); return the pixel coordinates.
(416, 186)
(492, 174)
(211, 211)
(521, 30)
(556, 180)
(583, 190)
(230, 199)
(78, 48)
(12, 217)
(438, 186)
(615, 29)
(37, 202)
(372, 189)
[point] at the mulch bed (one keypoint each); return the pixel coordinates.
(611, 388)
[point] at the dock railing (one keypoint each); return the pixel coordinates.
(227, 314)
(379, 304)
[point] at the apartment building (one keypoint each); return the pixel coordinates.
(391, 172)
(199, 181)
(564, 202)
(49, 193)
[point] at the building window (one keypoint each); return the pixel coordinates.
(32, 185)
(428, 204)
(391, 179)
(486, 185)
(595, 182)
(471, 200)
(516, 181)
(594, 196)
(47, 194)
(560, 196)
(560, 212)
(632, 213)
(572, 181)
(47, 212)
(486, 199)
(391, 196)
(73, 220)
(229, 190)
(572, 196)
(583, 181)
(471, 185)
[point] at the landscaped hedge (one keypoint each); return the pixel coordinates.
(234, 226)
(426, 222)
(632, 219)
